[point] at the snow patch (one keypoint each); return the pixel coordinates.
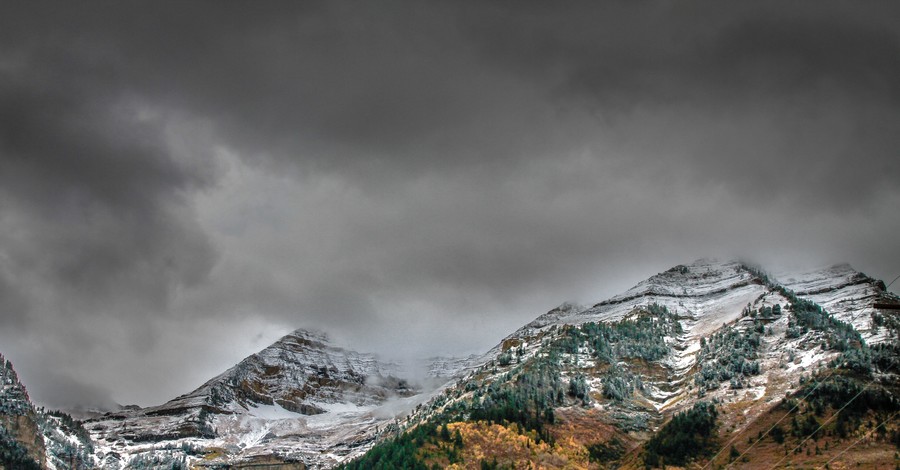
(273, 412)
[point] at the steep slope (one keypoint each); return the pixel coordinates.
(32, 437)
(301, 373)
(299, 400)
(706, 291)
(842, 417)
(717, 344)
(21, 442)
(847, 294)
(703, 296)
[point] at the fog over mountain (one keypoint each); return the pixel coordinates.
(183, 183)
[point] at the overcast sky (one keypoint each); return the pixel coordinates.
(181, 183)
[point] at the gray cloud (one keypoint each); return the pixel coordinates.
(59, 391)
(94, 197)
(191, 180)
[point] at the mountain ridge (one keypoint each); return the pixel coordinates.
(725, 332)
(741, 342)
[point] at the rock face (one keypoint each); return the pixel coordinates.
(32, 437)
(18, 418)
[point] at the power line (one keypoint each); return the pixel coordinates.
(861, 439)
(818, 383)
(868, 384)
(713, 459)
(895, 280)
(822, 425)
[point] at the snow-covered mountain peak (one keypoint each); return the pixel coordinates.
(820, 278)
(300, 398)
(708, 292)
(307, 334)
(723, 332)
(300, 372)
(568, 308)
(703, 295)
(844, 292)
(701, 277)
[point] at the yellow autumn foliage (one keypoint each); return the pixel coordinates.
(511, 445)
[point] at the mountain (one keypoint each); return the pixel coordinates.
(301, 401)
(706, 364)
(847, 294)
(21, 443)
(34, 438)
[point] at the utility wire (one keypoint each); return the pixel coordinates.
(869, 384)
(821, 426)
(818, 383)
(889, 285)
(861, 439)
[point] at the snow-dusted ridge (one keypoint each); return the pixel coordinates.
(708, 296)
(706, 292)
(308, 401)
(847, 294)
(300, 399)
(50, 439)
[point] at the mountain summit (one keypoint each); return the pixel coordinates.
(301, 399)
(301, 373)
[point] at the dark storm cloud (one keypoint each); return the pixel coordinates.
(323, 86)
(94, 215)
(14, 305)
(94, 193)
(406, 168)
(819, 85)
(68, 393)
(389, 87)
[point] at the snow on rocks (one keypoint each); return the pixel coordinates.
(306, 399)
(847, 294)
(301, 398)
